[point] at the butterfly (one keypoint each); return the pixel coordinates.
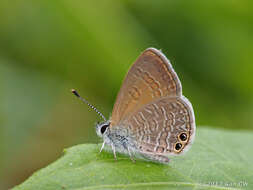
(151, 119)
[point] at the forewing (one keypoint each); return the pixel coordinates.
(151, 77)
(156, 127)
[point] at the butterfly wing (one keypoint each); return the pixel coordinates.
(151, 77)
(157, 127)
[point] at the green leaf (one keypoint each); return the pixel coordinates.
(218, 159)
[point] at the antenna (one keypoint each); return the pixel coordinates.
(91, 106)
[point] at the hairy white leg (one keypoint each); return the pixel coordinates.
(130, 154)
(114, 151)
(102, 147)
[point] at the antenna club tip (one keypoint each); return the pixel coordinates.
(85, 101)
(75, 92)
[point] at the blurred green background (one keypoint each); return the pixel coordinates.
(48, 47)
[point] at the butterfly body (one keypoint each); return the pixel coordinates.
(120, 140)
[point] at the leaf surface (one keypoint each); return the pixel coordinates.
(218, 159)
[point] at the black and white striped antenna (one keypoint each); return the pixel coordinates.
(91, 106)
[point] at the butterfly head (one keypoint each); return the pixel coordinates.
(102, 128)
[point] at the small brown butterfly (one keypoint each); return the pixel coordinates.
(151, 118)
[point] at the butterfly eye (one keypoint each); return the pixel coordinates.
(178, 146)
(103, 128)
(183, 136)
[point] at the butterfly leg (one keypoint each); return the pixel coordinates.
(130, 154)
(114, 151)
(102, 147)
(157, 158)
